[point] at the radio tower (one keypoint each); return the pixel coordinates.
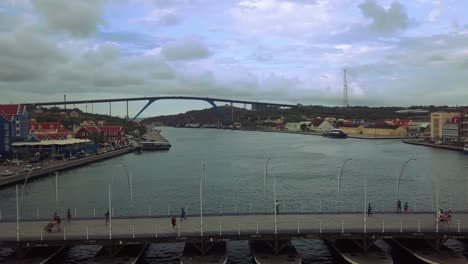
(345, 91)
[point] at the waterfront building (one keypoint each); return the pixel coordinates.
(464, 126)
(113, 135)
(350, 128)
(384, 130)
(13, 127)
(54, 149)
(450, 131)
(49, 131)
(296, 126)
(438, 119)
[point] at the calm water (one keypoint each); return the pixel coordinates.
(306, 169)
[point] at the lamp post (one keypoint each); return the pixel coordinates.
(265, 175)
(339, 178)
(203, 176)
(399, 177)
(274, 202)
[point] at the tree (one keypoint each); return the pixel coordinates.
(303, 127)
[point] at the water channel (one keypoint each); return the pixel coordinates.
(306, 170)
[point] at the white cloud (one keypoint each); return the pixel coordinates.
(385, 20)
(185, 49)
(79, 18)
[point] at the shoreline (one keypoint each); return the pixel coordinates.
(453, 148)
(10, 180)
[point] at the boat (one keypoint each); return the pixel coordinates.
(216, 255)
(426, 254)
(155, 145)
(263, 254)
(465, 149)
(7, 173)
(335, 133)
(349, 252)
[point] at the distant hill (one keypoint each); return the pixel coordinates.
(213, 116)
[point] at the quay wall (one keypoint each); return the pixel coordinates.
(5, 181)
(455, 148)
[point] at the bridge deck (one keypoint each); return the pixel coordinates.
(237, 226)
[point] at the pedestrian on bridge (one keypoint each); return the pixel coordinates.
(406, 207)
(369, 210)
(277, 205)
(107, 217)
(57, 221)
(398, 204)
(69, 215)
(174, 222)
(182, 214)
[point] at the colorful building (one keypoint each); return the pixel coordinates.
(351, 128)
(384, 130)
(109, 134)
(463, 130)
(13, 127)
(49, 131)
(438, 119)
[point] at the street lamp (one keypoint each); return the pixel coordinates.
(265, 175)
(399, 178)
(339, 178)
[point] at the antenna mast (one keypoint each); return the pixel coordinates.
(345, 90)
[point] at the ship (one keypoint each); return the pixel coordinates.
(335, 133)
(155, 145)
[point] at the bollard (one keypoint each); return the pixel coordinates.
(168, 209)
(64, 233)
(220, 229)
(419, 226)
(320, 227)
(133, 231)
(75, 212)
(87, 233)
(156, 231)
(298, 227)
(342, 226)
(250, 207)
(458, 226)
(238, 229)
(149, 210)
(42, 234)
(37, 213)
(383, 225)
(401, 225)
(94, 212)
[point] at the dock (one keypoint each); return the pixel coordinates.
(449, 147)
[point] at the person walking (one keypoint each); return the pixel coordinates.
(369, 210)
(277, 205)
(69, 215)
(174, 222)
(182, 214)
(406, 207)
(106, 215)
(57, 221)
(398, 206)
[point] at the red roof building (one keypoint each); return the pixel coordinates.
(49, 131)
(109, 134)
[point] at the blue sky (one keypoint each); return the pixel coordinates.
(401, 53)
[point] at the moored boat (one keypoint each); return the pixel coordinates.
(335, 133)
(155, 145)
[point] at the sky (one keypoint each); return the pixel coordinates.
(397, 53)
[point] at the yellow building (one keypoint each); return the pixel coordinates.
(351, 128)
(384, 131)
(438, 119)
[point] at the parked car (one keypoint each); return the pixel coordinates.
(31, 168)
(7, 173)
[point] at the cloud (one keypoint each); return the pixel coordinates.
(185, 49)
(78, 18)
(385, 20)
